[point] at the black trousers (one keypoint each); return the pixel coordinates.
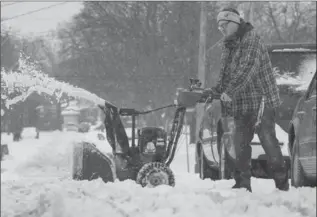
(243, 135)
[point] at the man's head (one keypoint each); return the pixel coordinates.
(228, 21)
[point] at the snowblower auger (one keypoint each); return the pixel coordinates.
(146, 156)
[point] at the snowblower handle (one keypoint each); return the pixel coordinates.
(216, 95)
(131, 111)
(193, 88)
(210, 94)
(194, 82)
(128, 112)
(195, 85)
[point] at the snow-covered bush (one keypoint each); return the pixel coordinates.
(18, 85)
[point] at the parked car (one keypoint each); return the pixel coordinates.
(302, 139)
(211, 156)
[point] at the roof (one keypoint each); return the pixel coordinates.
(292, 47)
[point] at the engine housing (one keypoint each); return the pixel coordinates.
(152, 142)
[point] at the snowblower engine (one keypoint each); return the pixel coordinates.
(152, 142)
(146, 156)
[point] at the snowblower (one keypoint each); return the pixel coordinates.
(146, 159)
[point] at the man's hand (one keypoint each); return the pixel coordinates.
(208, 92)
(224, 97)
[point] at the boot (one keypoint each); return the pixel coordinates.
(243, 180)
(246, 186)
(236, 185)
(281, 182)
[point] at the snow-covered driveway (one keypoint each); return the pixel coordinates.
(40, 186)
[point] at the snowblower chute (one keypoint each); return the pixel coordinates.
(147, 157)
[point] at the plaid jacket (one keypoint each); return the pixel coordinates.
(246, 75)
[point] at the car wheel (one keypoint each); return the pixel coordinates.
(298, 178)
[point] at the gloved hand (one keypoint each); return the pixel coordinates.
(209, 92)
(224, 97)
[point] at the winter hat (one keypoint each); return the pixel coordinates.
(229, 14)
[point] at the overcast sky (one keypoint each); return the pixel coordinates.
(39, 22)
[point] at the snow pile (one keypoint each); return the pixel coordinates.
(287, 79)
(55, 157)
(307, 69)
(41, 187)
(19, 154)
(191, 197)
(52, 158)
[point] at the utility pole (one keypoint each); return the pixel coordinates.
(251, 12)
(201, 60)
(248, 12)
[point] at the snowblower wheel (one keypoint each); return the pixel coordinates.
(154, 174)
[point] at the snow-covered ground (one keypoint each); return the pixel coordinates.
(35, 181)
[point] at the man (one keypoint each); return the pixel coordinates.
(246, 76)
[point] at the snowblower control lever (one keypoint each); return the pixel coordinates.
(195, 94)
(194, 84)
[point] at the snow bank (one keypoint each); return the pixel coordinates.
(42, 188)
(50, 156)
(307, 69)
(191, 197)
(54, 158)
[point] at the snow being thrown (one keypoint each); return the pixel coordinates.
(17, 86)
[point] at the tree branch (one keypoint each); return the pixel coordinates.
(274, 23)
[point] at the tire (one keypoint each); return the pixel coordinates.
(89, 164)
(298, 178)
(224, 170)
(154, 174)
